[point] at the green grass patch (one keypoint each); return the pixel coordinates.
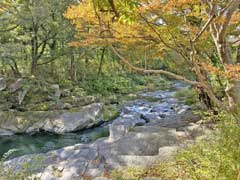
(215, 157)
(188, 95)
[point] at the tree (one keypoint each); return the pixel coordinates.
(38, 28)
(198, 31)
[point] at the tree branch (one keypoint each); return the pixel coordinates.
(144, 71)
(10, 29)
(231, 9)
(198, 35)
(111, 2)
(162, 40)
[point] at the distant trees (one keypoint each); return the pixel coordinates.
(34, 30)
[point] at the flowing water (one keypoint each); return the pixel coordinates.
(164, 104)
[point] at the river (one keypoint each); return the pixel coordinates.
(149, 105)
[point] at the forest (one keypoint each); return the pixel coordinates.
(119, 89)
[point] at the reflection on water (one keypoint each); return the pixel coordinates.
(43, 142)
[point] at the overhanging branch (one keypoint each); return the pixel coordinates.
(141, 70)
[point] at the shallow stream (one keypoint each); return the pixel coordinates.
(149, 105)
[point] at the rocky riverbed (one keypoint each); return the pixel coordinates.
(144, 133)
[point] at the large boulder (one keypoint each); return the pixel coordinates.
(3, 84)
(52, 121)
(123, 123)
(5, 132)
(69, 163)
(88, 117)
(16, 85)
(57, 92)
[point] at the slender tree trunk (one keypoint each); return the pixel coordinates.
(34, 49)
(34, 66)
(101, 61)
(72, 67)
(219, 35)
(15, 69)
(233, 93)
(238, 54)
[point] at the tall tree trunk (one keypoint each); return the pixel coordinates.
(101, 61)
(34, 66)
(233, 90)
(15, 69)
(233, 93)
(238, 54)
(72, 67)
(34, 49)
(219, 35)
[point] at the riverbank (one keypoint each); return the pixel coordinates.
(140, 107)
(146, 131)
(33, 128)
(215, 155)
(31, 105)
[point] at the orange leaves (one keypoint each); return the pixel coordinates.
(150, 5)
(229, 72)
(211, 69)
(233, 71)
(168, 5)
(235, 18)
(74, 44)
(4, 6)
(96, 26)
(83, 10)
(171, 4)
(90, 24)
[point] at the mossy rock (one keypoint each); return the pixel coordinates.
(45, 106)
(110, 112)
(77, 91)
(18, 122)
(77, 101)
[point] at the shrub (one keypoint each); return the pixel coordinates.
(216, 156)
(188, 95)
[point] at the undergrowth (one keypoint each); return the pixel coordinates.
(215, 157)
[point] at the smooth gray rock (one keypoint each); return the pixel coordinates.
(101, 178)
(4, 132)
(68, 163)
(72, 121)
(57, 92)
(21, 95)
(3, 84)
(150, 178)
(16, 85)
(56, 122)
(117, 131)
(141, 147)
(129, 120)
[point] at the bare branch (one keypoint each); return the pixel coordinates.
(10, 29)
(198, 35)
(144, 71)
